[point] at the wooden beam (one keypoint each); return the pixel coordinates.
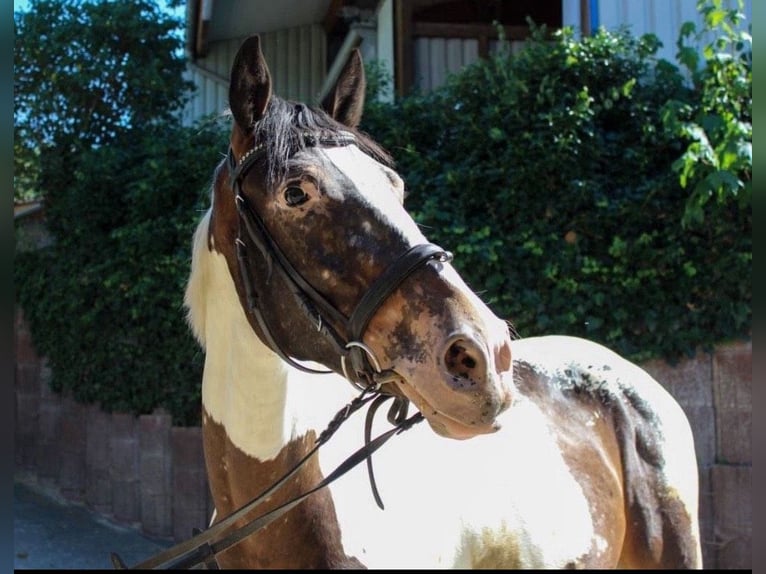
(201, 40)
(483, 47)
(445, 30)
(404, 76)
(331, 16)
(585, 18)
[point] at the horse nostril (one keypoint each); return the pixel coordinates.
(464, 360)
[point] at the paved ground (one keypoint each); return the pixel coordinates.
(50, 533)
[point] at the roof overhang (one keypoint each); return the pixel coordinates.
(213, 20)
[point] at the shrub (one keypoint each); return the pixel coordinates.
(104, 302)
(549, 174)
(717, 125)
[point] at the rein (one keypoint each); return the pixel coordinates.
(203, 547)
(364, 370)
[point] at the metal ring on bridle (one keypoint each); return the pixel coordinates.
(370, 355)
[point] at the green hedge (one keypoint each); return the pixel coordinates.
(550, 175)
(104, 302)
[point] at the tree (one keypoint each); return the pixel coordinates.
(717, 164)
(86, 71)
(98, 86)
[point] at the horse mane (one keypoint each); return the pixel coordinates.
(282, 127)
(199, 281)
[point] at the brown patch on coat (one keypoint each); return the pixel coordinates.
(308, 536)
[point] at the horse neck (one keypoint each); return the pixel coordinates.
(243, 384)
(262, 402)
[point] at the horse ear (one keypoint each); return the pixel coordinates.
(249, 85)
(345, 101)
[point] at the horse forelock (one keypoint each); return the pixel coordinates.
(282, 128)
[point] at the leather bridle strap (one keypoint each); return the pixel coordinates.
(389, 281)
(301, 289)
(383, 287)
(328, 319)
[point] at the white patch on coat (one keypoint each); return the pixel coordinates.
(234, 356)
(451, 503)
(375, 185)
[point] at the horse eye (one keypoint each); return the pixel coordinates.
(295, 196)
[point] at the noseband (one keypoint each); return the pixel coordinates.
(359, 364)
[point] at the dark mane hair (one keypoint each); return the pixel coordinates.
(284, 124)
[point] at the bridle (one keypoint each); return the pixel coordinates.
(358, 362)
(345, 334)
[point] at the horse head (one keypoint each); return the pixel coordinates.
(330, 268)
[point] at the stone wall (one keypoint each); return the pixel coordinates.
(714, 391)
(145, 472)
(136, 470)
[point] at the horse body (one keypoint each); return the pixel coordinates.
(542, 492)
(550, 452)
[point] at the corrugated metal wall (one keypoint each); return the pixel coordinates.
(660, 17)
(296, 59)
(435, 58)
(297, 56)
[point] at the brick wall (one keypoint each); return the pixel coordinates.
(140, 471)
(714, 391)
(145, 472)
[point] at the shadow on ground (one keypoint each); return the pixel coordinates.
(51, 533)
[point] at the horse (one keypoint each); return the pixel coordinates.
(310, 285)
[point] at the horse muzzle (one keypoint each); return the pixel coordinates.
(457, 374)
(468, 389)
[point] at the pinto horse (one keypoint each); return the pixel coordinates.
(544, 452)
